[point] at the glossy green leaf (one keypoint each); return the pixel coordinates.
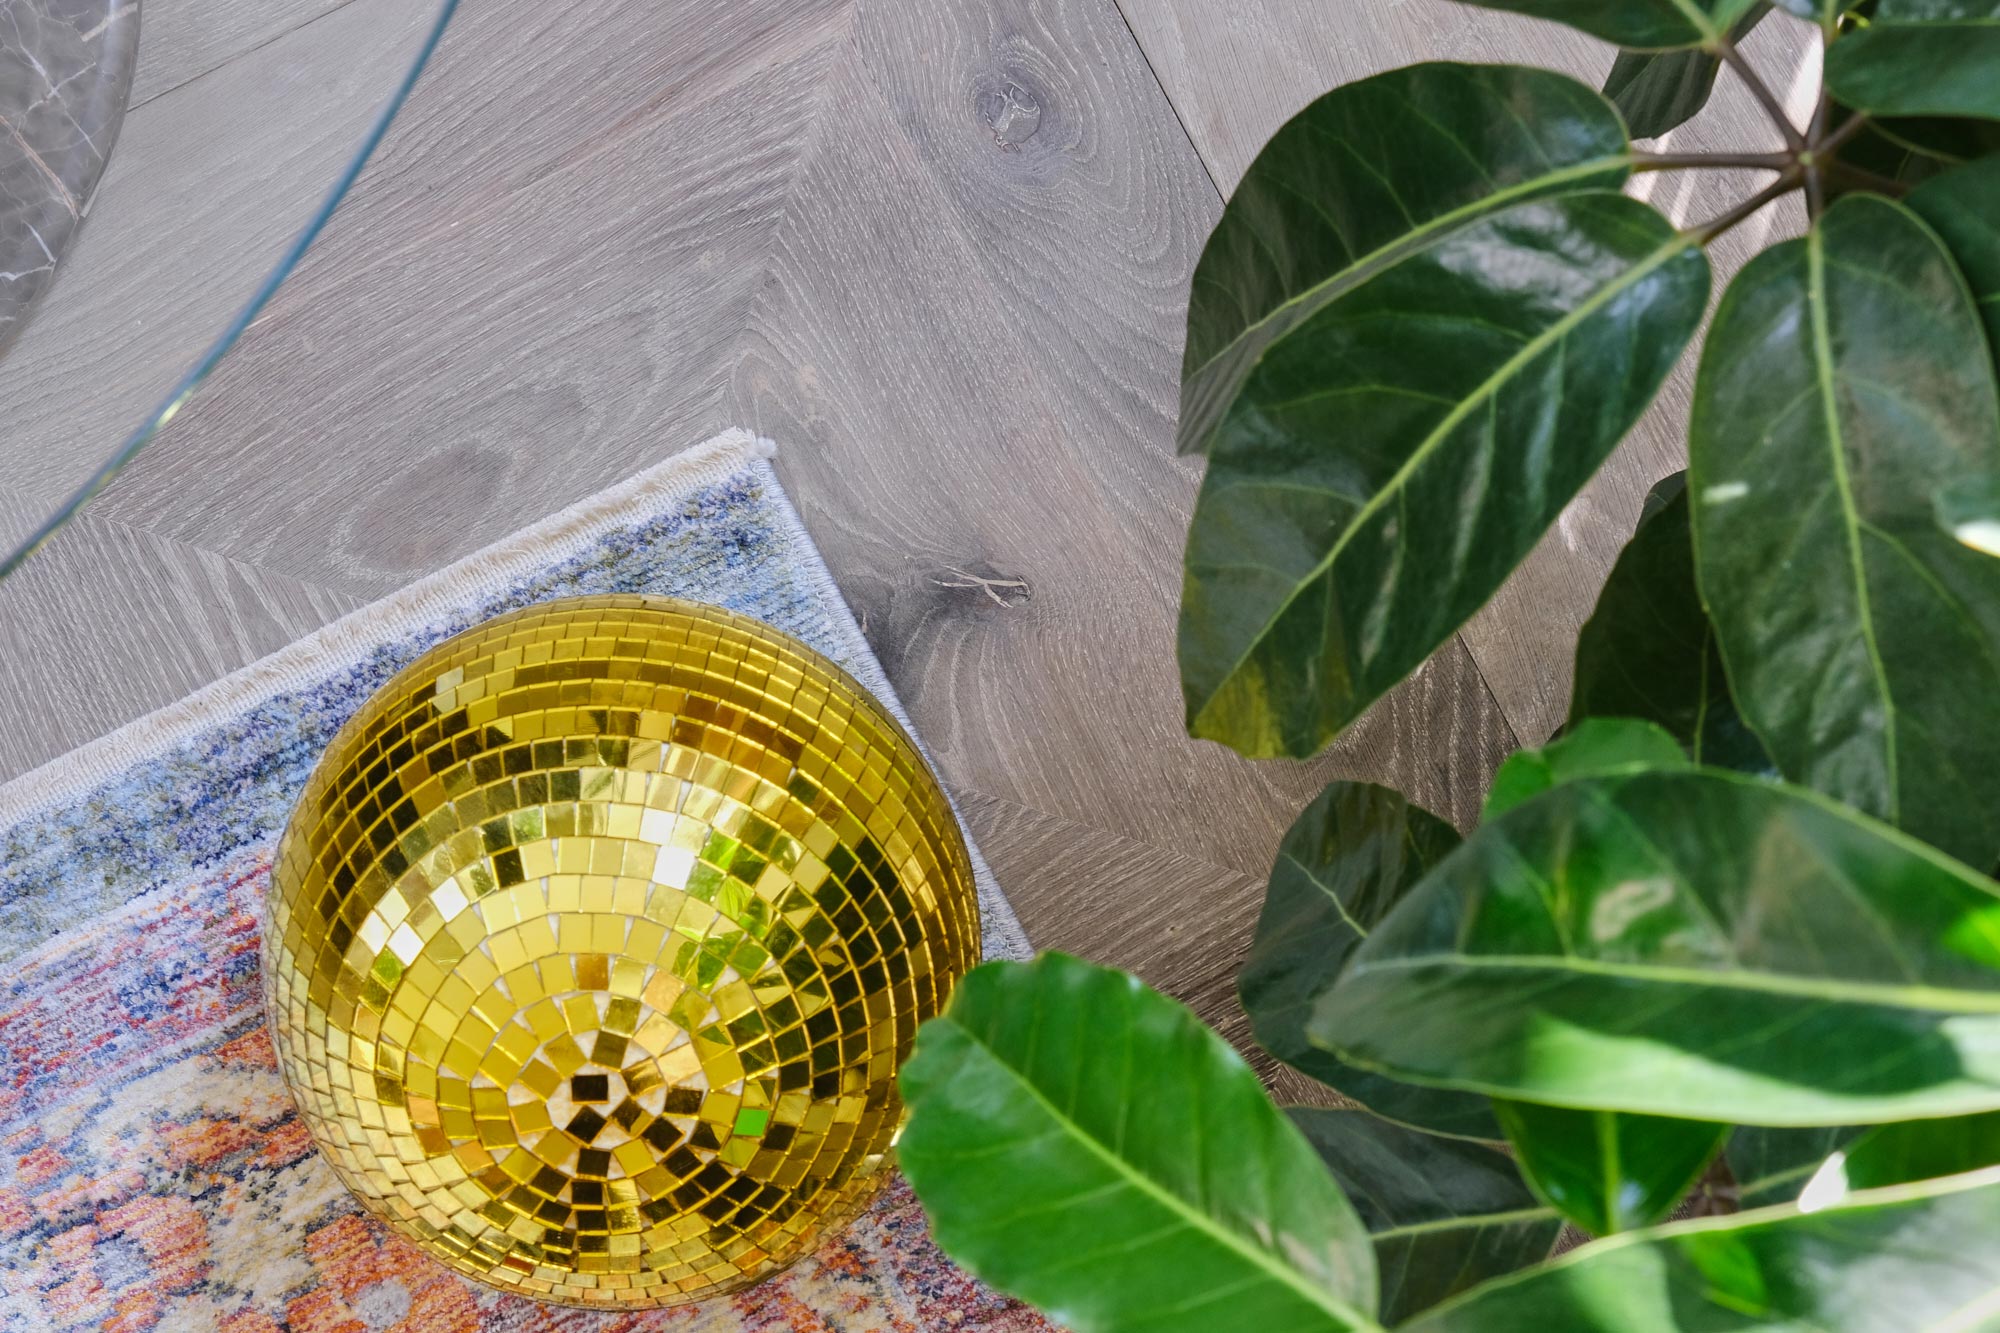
(1951, 139)
(1085, 1143)
(1845, 381)
(1604, 1170)
(1921, 1150)
(1657, 91)
(1365, 175)
(1648, 650)
(1445, 1214)
(1693, 944)
(1595, 747)
(1389, 463)
(1968, 510)
(1963, 207)
(1891, 154)
(1909, 1259)
(1816, 11)
(1772, 1163)
(1645, 25)
(1921, 58)
(1348, 858)
(1875, 158)
(1821, 1166)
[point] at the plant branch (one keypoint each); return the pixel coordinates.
(1715, 226)
(1644, 161)
(1730, 56)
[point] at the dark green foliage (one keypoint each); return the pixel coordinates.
(1714, 930)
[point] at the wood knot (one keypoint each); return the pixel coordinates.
(1000, 589)
(1012, 112)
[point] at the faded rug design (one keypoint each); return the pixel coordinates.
(152, 1172)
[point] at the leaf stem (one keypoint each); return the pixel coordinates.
(1644, 161)
(1715, 226)
(1726, 50)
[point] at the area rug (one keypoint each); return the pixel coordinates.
(153, 1174)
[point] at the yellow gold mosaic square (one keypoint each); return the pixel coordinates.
(596, 941)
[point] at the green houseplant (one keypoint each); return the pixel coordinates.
(1737, 921)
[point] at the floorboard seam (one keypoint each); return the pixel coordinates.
(1499, 708)
(1180, 121)
(232, 58)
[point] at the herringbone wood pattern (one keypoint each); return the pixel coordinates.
(937, 248)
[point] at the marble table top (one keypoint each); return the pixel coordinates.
(65, 72)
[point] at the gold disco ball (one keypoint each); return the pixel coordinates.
(597, 939)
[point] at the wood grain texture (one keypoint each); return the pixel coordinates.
(1035, 123)
(508, 315)
(207, 187)
(928, 453)
(1011, 540)
(185, 39)
(938, 249)
(111, 612)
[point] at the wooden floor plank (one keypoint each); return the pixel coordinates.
(500, 322)
(109, 622)
(978, 517)
(1060, 160)
(205, 189)
(937, 250)
(959, 506)
(185, 39)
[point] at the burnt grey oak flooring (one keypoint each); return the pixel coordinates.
(938, 249)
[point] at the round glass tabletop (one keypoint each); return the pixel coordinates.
(126, 272)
